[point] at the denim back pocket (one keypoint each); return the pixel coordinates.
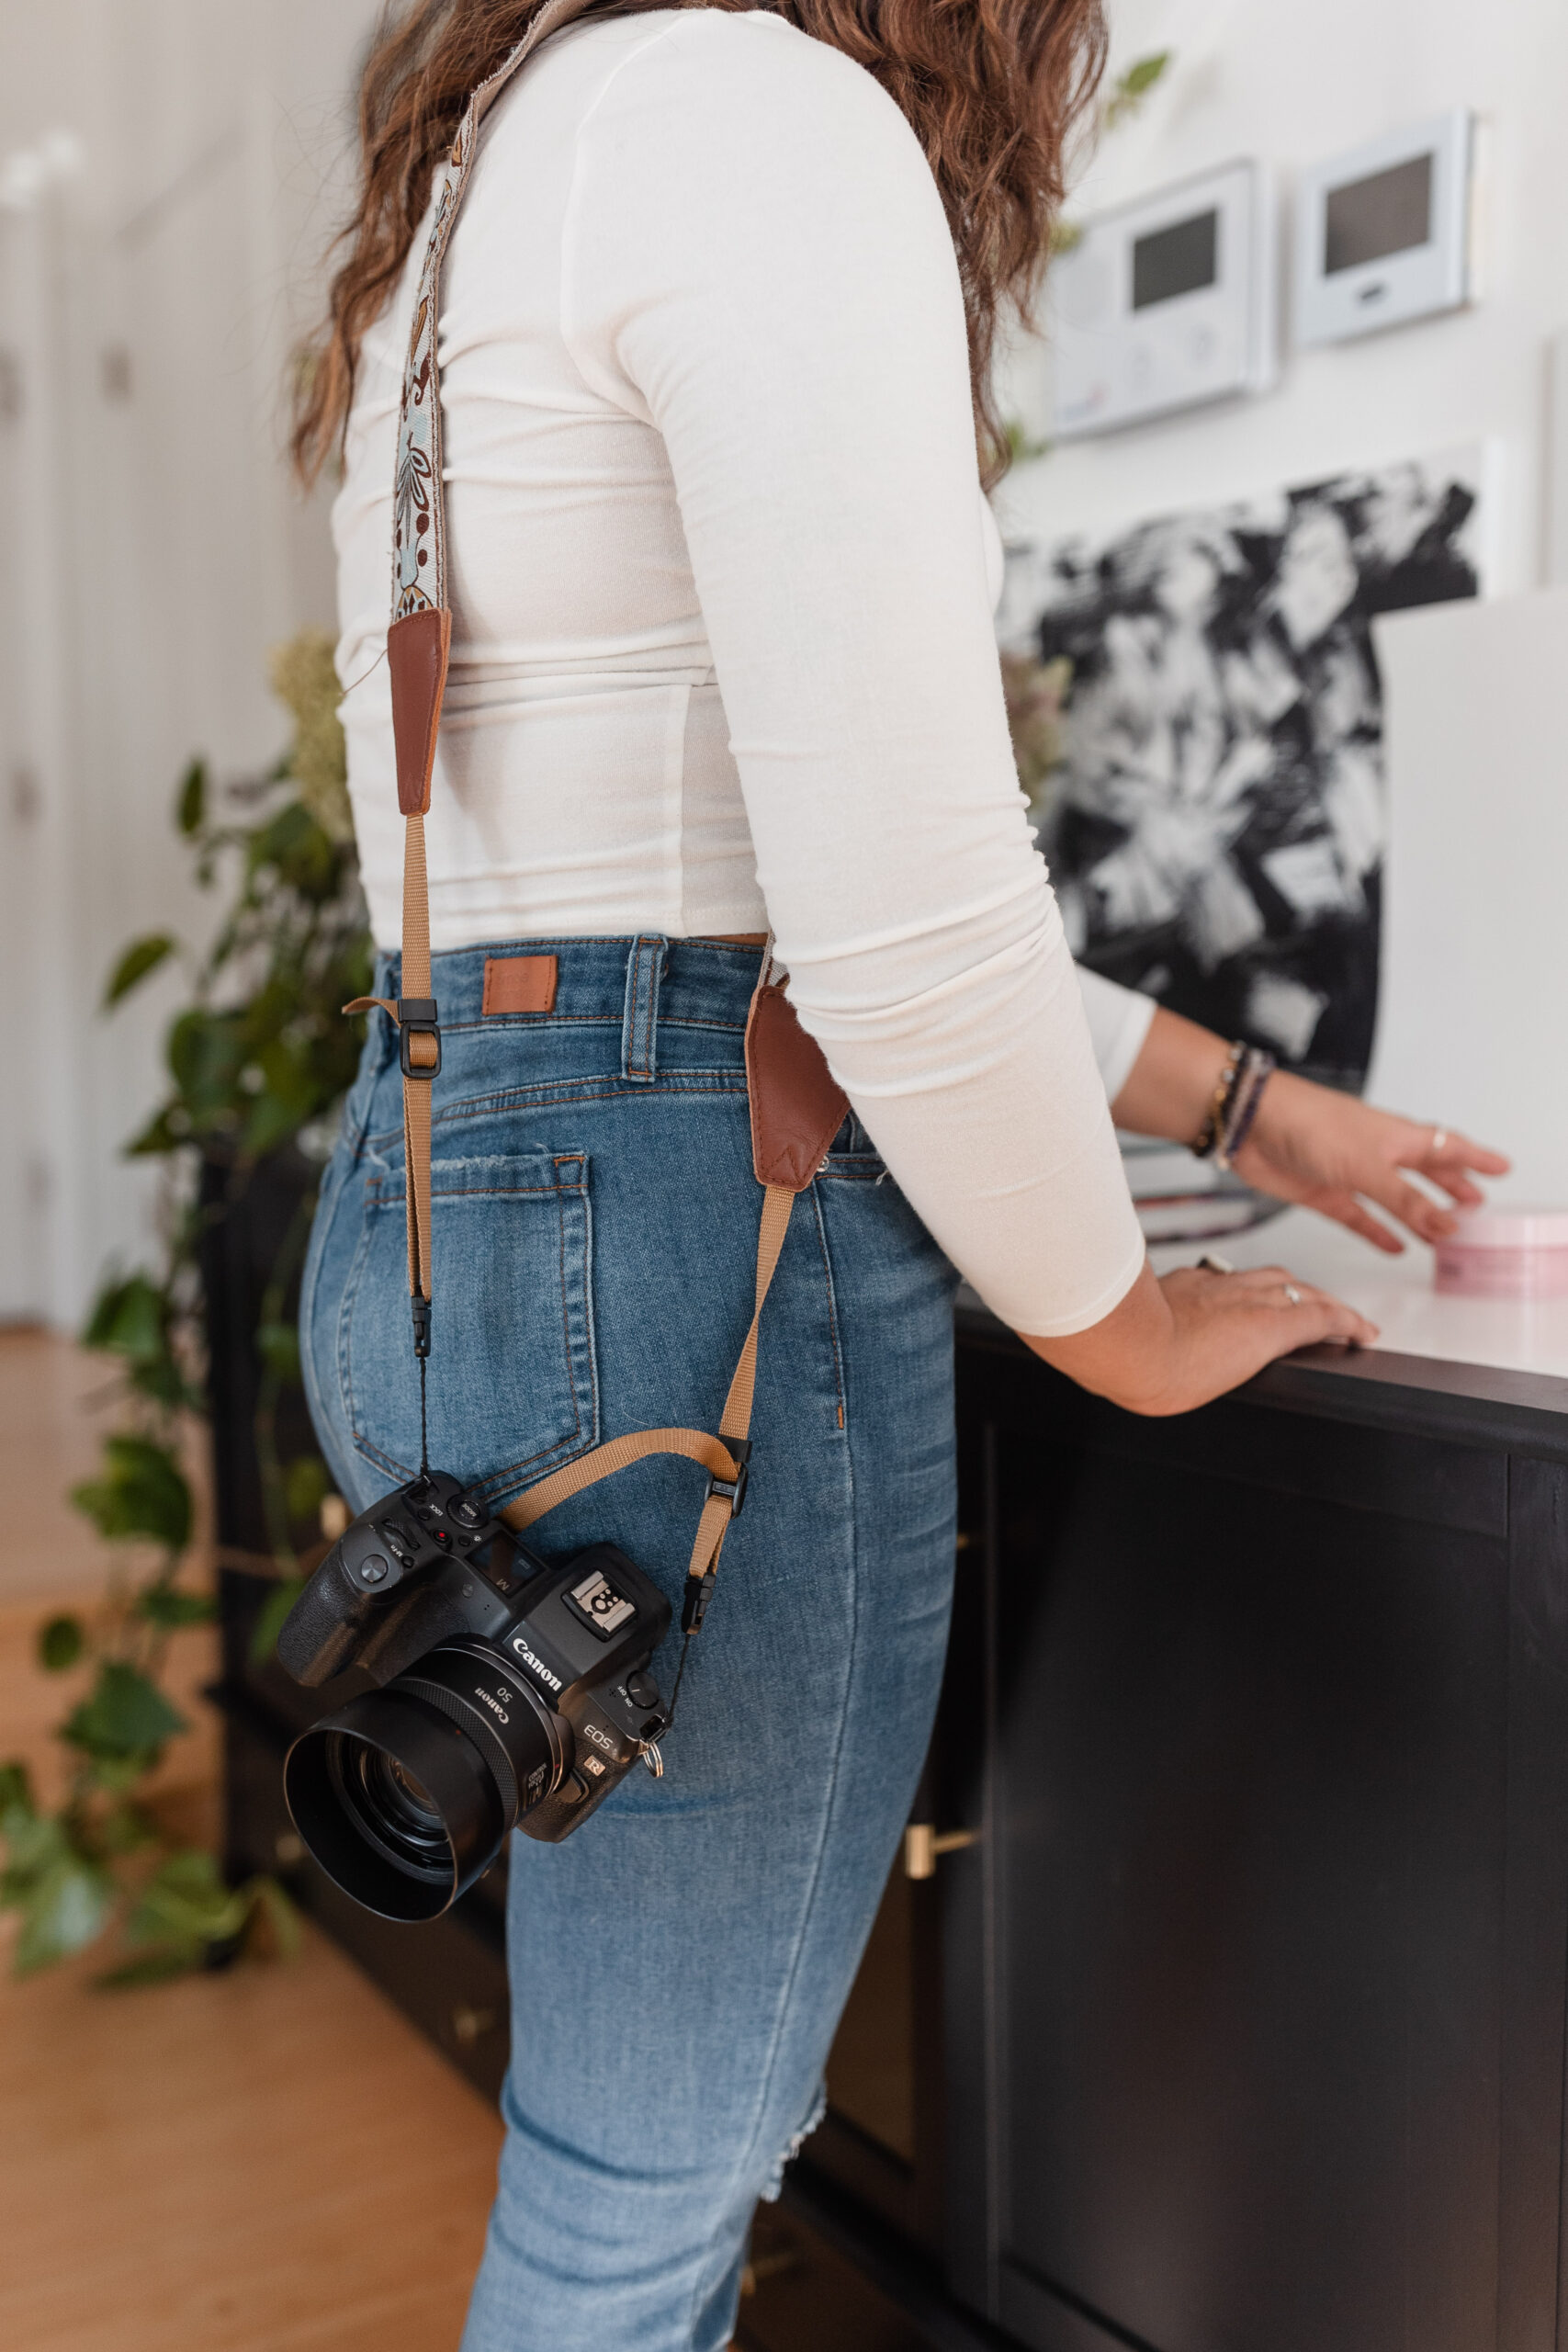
(511, 1380)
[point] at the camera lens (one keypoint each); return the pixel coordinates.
(392, 1809)
(405, 1795)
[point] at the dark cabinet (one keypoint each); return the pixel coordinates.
(1254, 1986)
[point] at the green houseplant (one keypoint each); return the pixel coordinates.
(257, 1057)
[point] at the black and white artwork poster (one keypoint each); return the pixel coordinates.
(1211, 796)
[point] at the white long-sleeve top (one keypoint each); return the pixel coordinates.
(722, 577)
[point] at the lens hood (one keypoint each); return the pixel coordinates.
(404, 1795)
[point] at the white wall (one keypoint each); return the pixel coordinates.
(1293, 82)
(150, 287)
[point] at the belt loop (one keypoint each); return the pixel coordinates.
(639, 1030)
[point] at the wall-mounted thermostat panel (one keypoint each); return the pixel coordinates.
(1166, 302)
(1383, 233)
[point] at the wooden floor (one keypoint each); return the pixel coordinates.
(270, 2160)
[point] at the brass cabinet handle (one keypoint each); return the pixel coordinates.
(923, 1842)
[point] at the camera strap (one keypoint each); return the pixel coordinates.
(797, 1106)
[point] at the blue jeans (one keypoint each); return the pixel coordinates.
(679, 1965)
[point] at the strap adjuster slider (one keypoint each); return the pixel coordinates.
(733, 1490)
(417, 1018)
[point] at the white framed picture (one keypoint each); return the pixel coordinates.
(1166, 302)
(1383, 233)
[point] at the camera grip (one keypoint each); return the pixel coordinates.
(321, 1632)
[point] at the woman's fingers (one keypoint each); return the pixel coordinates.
(1346, 1210)
(1458, 1152)
(1315, 1314)
(1277, 1288)
(1450, 1160)
(1458, 1188)
(1429, 1219)
(1330, 1316)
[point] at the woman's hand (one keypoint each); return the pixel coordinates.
(1329, 1152)
(1177, 1343)
(1309, 1144)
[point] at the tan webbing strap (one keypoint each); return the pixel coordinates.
(735, 1421)
(714, 1453)
(605, 1460)
(424, 1052)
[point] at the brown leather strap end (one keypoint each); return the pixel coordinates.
(417, 651)
(797, 1107)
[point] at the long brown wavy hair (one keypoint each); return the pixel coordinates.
(993, 90)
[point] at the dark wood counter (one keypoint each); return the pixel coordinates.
(1253, 1980)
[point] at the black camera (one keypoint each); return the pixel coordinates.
(508, 1694)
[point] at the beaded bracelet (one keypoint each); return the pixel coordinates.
(1233, 1107)
(1258, 1068)
(1213, 1128)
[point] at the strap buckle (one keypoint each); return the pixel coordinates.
(416, 1018)
(693, 1609)
(733, 1490)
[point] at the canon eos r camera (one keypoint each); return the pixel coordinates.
(510, 1694)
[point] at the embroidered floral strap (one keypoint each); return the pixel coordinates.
(419, 534)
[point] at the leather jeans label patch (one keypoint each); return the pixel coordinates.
(520, 984)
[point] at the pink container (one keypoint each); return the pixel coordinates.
(1506, 1253)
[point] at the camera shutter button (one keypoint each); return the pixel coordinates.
(373, 1567)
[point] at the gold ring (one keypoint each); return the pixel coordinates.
(1292, 1295)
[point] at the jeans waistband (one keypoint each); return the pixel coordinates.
(640, 985)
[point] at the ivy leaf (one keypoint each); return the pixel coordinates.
(190, 807)
(61, 1642)
(142, 956)
(270, 1617)
(168, 1130)
(270, 1901)
(162, 1605)
(135, 1320)
(277, 1344)
(144, 1494)
(186, 1903)
(127, 1318)
(292, 843)
(1142, 76)
(207, 1051)
(62, 1895)
(64, 1909)
(1131, 88)
(124, 1719)
(32, 1839)
(305, 1483)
